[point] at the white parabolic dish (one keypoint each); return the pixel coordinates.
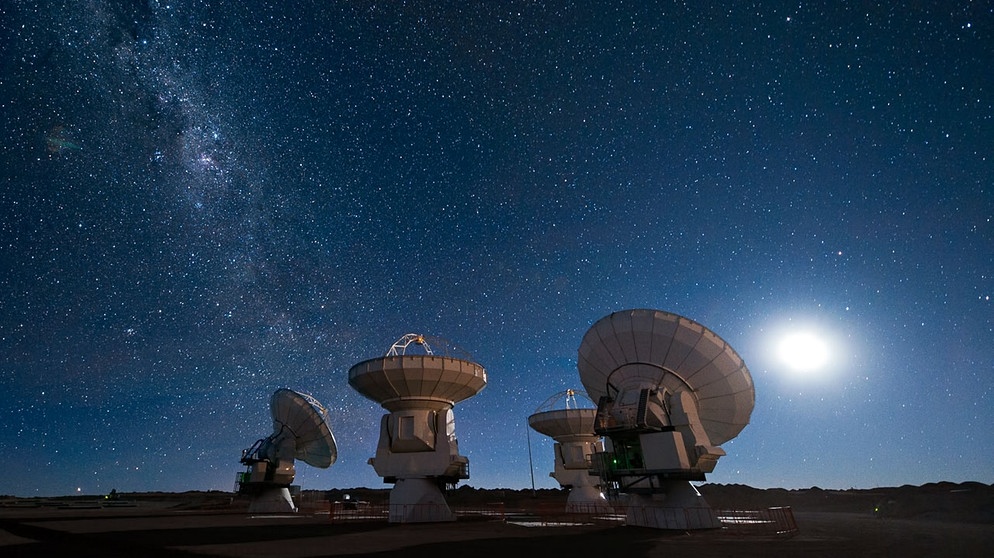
(307, 420)
(570, 421)
(402, 381)
(560, 423)
(657, 348)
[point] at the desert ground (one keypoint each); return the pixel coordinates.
(939, 519)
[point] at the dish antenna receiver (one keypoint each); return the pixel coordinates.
(669, 392)
(417, 449)
(572, 427)
(300, 431)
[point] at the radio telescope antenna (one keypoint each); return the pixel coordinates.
(417, 449)
(300, 431)
(572, 427)
(669, 391)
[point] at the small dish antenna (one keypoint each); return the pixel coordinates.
(300, 431)
(562, 418)
(669, 391)
(417, 449)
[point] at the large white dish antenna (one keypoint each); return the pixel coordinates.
(564, 423)
(399, 381)
(417, 450)
(306, 420)
(653, 348)
(572, 427)
(560, 416)
(300, 431)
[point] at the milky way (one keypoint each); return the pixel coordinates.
(204, 202)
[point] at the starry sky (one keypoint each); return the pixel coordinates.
(205, 201)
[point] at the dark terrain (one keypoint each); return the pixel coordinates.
(937, 519)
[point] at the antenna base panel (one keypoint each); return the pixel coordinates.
(272, 500)
(418, 500)
(677, 506)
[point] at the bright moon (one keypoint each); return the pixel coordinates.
(803, 352)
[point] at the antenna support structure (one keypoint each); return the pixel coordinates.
(669, 392)
(572, 427)
(300, 431)
(417, 450)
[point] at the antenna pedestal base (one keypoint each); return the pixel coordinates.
(678, 505)
(587, 499)
(272, 500)
(418, 500)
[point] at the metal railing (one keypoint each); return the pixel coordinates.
(771, 521)
(777, 521)
(343, 512)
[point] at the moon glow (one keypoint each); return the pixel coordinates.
(803, 352)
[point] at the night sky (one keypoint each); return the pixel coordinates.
(205, 201)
